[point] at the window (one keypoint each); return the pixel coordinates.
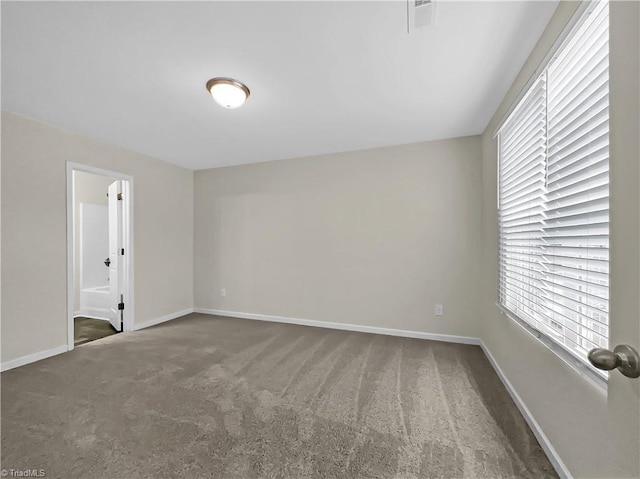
(553, 195)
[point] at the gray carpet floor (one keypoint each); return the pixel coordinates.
(89, 329)
(211, 397)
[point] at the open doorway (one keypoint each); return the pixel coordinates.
(99, 252)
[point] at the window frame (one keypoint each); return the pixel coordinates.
(582, 12)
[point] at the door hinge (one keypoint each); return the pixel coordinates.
(120, 306)
(119, 196)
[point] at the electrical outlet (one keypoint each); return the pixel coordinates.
(223, 292)
(439, 310)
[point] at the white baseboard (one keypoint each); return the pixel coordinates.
(549, 450)
(32, 358)
(162, 319)
(87, 314)
(343, 326)
(93, 313)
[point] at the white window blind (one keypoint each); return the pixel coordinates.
(554, 195)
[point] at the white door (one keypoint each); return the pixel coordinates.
(115, 254)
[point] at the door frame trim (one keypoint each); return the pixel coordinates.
(128, 273)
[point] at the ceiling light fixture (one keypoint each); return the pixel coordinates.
(227, 92)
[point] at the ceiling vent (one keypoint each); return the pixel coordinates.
(421, 14)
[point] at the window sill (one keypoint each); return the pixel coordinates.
(581, 368)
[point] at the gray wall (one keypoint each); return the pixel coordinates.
(373, 237)
(595, 433)
(34, 283)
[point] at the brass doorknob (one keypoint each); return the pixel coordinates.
(623, 357)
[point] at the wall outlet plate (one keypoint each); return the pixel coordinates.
(439, 310)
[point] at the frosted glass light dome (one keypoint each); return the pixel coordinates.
(227, 92)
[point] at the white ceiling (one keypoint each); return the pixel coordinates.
(324, 76)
